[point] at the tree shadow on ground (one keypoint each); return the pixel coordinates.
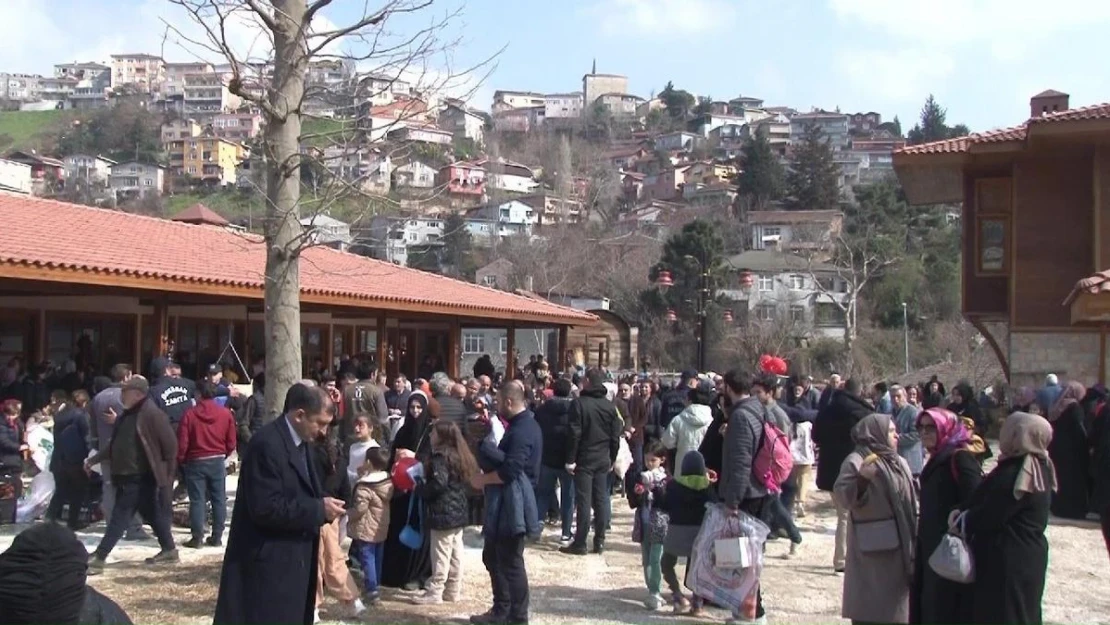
(616, 605)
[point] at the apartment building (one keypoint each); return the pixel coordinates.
(207, 95)
(133, 179)
(94, 170)
(143, 72)
(20, 87)
(212, 160)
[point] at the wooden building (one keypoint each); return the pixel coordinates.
(1036, 222)
(101, 287)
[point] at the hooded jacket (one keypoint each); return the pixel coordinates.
(686, 431)
(745, 426)
(207, 431)
(445, 495)
(11, 438)
(554, 419)
(368, 519)
(595, 431)
(684, 499)
(832, 432)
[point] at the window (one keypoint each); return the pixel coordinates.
(771, 231)
(490, 280)
(797, 314)
(503, 345)
(828, 315)
(148, 182)
(474, 343)
(765, 312)
(413, 236)
(766, 283)
(796, 282)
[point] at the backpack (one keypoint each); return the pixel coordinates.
(773, 460)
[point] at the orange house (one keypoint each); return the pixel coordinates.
(1036, 229)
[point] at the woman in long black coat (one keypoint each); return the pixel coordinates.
(1100, 469)
(1006, 521)
(1070, 453)
(947, 482)
(403, 567)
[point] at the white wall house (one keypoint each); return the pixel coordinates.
(789, 290)
(786, 230)
(508, 176)
(93, 169)
(392, 237)
(134, 179)
(562, 105)
(327, 230)
(15, 177)
(503, 220)
(367, 168)
(415, 174)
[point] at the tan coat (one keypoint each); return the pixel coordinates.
(876, 584)
(368, 519)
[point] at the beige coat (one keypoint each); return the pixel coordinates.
(876, 584)
(368, 519)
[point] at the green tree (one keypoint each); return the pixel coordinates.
(813, 180)
(704, 106)
(933, 126)
(599, 123)
(125, 132)
(457, 246)
(761, 177)
(679, 103)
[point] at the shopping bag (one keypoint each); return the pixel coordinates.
(727, 586)
(952, 558)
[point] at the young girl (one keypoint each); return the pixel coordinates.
(363, 441)
(368, 519)
(650, 526)
(684, 501)
(444, 490)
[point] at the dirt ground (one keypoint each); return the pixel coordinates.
(604, 589)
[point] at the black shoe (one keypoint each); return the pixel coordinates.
(165, 557)
(488, 618)
(574, 550)
(136, 536)
(192, 543)
(599, 548)
(212, 541)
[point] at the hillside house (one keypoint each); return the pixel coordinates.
(15, 177)
(462, 179)
(47, 174)
(787, 230)
(327, 231)
(673, 141)
(414, 174)
(133, 180)
(391, 238)
(563, 105)
(833, 127)
(1036, 234)
(511, 218)
(369, 169)
(519, 119)
(508, 176)
(420, 133)
(93, 170)
(462, 122)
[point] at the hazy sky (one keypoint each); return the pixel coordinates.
(981, 58)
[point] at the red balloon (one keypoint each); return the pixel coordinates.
(402, 480)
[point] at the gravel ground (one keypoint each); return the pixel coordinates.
(605, 589)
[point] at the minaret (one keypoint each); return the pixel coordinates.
(593, 72)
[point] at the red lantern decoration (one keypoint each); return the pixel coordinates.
(727, 316)
(664, 280)
(671, 316)
(772, 364)
(747, 280)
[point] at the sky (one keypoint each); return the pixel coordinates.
(981, 59)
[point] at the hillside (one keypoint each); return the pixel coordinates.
(31, 130)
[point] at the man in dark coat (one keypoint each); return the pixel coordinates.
(832, 433)
(591, 450)
(553, 417)
(269, 570)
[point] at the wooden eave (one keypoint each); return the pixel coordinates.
(1089, 307)
(253, 291)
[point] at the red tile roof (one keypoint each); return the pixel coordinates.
(1015, 133)
(146, 252)
(1097, 283)
(200, 214)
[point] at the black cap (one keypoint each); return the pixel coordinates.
(214, 368)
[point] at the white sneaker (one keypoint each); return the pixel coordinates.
(357, 608)
(654, 602)
(316, 616)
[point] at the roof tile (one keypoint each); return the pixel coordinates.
(181, 256)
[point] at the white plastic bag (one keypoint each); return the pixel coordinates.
(952, 558)
(36, 498)
(624, 459)
(728, 587)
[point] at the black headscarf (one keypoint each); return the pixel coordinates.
(42, 577)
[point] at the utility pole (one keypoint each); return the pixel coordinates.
(906, 334)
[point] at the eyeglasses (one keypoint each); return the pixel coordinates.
(927, 428)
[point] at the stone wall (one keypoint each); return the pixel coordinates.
(1070, 355)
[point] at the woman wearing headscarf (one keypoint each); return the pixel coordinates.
(1026, 401)
(1100, 469)
(947, 482)
(877, 489)
(1006, 520)
(1070, 453)
(42, 580)
(403, 567)
(965, 406)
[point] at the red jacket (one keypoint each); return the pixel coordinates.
(207, 430)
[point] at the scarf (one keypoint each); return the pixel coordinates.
(1027, 436)
(872, 438)
(42, 576)
(1073, 393)
(951, 430)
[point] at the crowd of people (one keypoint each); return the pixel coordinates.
(402, 466)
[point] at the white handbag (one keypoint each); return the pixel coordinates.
(952, 558)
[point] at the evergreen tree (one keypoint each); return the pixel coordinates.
(813, 180)
(457, 246)
(933, 126)
(761, 176)
(679, 103)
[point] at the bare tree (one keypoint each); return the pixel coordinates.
(273, 76)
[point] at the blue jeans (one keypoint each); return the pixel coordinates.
(369, 556)
(206, 481)
(545, 491)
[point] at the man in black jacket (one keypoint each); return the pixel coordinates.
(832, 433)
(591, 450)
(554, 419)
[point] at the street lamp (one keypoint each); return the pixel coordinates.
(906, 334)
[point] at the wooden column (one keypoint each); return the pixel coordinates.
(329, 349)
(510, 348)
(247, 355)
(1102, 355)
(137, 352)
(162, 334)
(382, 364)
(454, 338)
(561, 349)
(40, 336)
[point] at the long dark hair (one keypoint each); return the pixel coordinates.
(451, 444)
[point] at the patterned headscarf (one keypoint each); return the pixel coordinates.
(951, 432)
(1073, 394)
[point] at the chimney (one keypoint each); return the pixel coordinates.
(1047, 102)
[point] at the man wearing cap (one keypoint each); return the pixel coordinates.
(143, 462)
(173, 394)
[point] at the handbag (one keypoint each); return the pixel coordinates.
(874, 536)
(413, 537)
(952, 558)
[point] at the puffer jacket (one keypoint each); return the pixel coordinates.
(445, 498)
(685, 432)
(368, 518)
(745, 426)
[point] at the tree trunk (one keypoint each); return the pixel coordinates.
(283, 191)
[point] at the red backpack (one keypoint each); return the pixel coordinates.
(773, 460)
